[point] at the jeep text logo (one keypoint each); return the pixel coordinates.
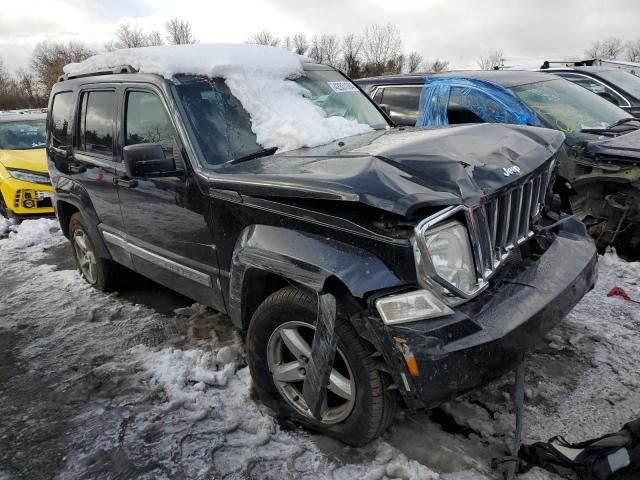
(510, 170)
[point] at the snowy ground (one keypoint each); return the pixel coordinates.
(121, 386)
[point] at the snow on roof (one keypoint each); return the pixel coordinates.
(258, 76)
(213, 60)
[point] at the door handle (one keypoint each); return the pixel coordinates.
(125, 182)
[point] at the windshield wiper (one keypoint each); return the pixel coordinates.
(622, 121)
(251, 156)
(608, 130)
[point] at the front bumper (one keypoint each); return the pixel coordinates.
(18, 195)
(480, 343)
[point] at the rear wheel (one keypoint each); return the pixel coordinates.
(357, 407)
(98, 271)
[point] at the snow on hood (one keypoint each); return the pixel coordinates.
(259, 76)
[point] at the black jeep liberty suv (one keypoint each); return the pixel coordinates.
(397, 268)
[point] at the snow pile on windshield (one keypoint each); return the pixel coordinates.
(257, 75)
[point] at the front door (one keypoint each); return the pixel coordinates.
(166, 219)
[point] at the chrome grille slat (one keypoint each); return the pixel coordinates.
(504, 222)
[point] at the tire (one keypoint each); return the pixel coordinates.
(97, 271)
(4, 210)
(362, 418)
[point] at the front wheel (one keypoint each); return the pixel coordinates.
(98, 271)
(357, 407)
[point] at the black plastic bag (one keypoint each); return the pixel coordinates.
(615, 456)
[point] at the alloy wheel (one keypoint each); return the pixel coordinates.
(288, 355)
(85, 255)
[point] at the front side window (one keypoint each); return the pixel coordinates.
(61, 119)
(568, 107)
(22, 135)
(147, 122)
(96, 122)
(403, 103)
(627, 81)
(594, 86)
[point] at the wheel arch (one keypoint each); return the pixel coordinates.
(268, 258)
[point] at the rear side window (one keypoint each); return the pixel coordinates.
(403, 103)
(147, 121)
(61, 119)
(96, 122)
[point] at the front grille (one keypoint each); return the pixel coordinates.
(505, 221)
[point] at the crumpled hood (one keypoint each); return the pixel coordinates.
(625, 147)
(33, 159)
(400, 169)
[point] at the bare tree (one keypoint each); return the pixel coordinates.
(633, 50)
(610, 49)
(300, 43)
(352, 55)
(179, 32)
(331, 49)
(264, 37)
(382, 48)
(132, 36)
(437, 65)
(27, 83)
(414, 62)
(48, 58)
(493, 61)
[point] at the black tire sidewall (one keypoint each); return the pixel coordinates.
(354, 429)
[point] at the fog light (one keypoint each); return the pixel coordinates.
(29, 203)
(412, 306)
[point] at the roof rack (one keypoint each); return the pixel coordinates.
(569, 63)
(111, 71)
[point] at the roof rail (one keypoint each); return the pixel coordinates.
(111, 71)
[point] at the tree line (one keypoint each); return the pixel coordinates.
(377, 50)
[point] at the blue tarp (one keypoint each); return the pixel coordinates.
(490, 101)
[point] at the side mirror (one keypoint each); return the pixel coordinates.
(385, 108)
(148, 160)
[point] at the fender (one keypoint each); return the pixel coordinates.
(71, 192)
(306, 259)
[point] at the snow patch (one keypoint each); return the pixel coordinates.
(258, 76)
(43, 232)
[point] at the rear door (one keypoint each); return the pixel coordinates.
(93, 161)
(166, 219)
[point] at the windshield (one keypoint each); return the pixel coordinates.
(568, 107)
(22, 135)
(625, 80)
(223, 127)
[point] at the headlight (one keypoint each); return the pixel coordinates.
(409, 307)
(33, 177)
(450, 256)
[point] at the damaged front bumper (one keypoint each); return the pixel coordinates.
(435, 360)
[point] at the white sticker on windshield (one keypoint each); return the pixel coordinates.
(341, 87)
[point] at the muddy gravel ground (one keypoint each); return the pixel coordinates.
(145, 384)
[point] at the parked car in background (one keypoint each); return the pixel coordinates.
(618, 86)
(25, 188)
(600, 161)
(368, 270)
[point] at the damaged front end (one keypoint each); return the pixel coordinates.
(606, 190)
(493, 279)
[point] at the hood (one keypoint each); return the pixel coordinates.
(399, 170)
(34, 159)
(625, 148)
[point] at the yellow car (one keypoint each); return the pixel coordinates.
(25, 187)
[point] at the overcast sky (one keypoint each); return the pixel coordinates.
(457, 30)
